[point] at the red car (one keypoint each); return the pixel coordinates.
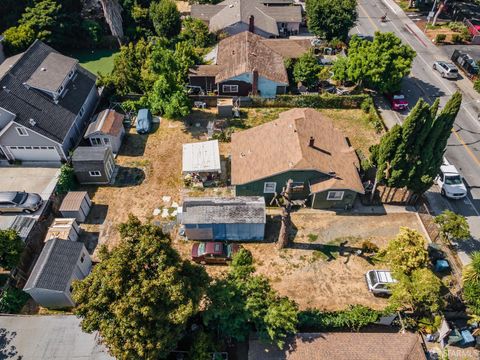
(212, 252)
(397, 101)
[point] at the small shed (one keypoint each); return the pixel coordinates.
(201, 158)
(107, 130)
(219, 218)
(64, 229)
(225, 107)
(76, 204)
(93, 165)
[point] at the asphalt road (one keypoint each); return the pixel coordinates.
(464, 145)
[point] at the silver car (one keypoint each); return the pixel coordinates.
(446, 69)
(19, 201)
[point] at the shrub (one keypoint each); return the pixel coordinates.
(456, 38)
(354, 318)
(440, 38)
(476, 85)
(66, 180)
(324, 101)
(12, 300)
(369, 247)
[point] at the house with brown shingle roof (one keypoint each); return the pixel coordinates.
(248, 64)
(106, 130)
(267, 19)
(342, 346)
(302, 145)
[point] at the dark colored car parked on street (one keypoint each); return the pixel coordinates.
(213, 252)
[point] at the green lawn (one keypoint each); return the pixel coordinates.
(96, 60)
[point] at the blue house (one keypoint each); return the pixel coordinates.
(247, 64)
(233, 219)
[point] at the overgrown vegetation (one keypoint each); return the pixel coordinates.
(452, 226)
(331, 19)
(323, 101)
(12, 300)
(66, 180)
(354, 318)
(471, 286)
(11, 248)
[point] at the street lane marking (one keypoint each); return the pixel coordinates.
(470, 152)
(368, 17)
(390, 6)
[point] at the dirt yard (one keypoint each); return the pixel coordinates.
(319, 269)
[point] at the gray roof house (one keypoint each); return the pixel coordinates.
(106, 130)
(232, 219)
(265, 19)
(46, 100)
(59, 263)
(93, 165)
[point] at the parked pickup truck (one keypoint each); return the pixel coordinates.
(466, 63)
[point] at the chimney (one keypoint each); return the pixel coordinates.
(255, 82)
(311, 143)
(251, 24)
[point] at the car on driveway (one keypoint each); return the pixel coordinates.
(450, 182)
(212, 252)
(397, 101)
(446, 69)
(379, 281)
(19, 201)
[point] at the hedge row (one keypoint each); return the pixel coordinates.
(354, 318)
(324, 101)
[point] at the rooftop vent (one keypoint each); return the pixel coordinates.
(43, 69)
(32, 122)
(311, 142)
(332, 173)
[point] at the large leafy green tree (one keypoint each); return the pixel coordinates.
(166, 18)
(306, 70)
(452, 226)
(196, 32)
(242, 301)
(379, 64)
(11, 247)
(331, 19)
(471, 285)
(406, 252)
(141, 295)
(420, 292)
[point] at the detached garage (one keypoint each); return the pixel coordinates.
(34, 153)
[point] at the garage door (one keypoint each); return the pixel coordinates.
(34, 153)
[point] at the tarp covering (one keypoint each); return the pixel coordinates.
(201, 157)
(144, 121)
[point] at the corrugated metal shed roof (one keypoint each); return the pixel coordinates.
(201, 157)
(73, 201)
(23, 225)
(213, 210)
(55, 265)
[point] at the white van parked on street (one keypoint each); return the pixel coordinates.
(450, 182)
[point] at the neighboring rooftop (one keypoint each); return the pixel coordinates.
(51, 119)
(236, 210)
(48, 337)
(289, 48)
(342, 346)
(230, 12)
(245, 52)
(286, 144)
(55, 265)
(52, 72)
(90, 153)
(201, 157)
(107, 122)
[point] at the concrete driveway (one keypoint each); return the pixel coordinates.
(40, 180)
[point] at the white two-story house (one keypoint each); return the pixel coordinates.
(46, 100)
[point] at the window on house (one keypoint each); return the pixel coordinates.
(230, 88)
(82, 110)
(269, 187)
(70, 74)
(95, 173)
(106, 141)
(60, 90)
(335, 195)
(96, 141)
(298, 186)
(82, 259)
(21, 131)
